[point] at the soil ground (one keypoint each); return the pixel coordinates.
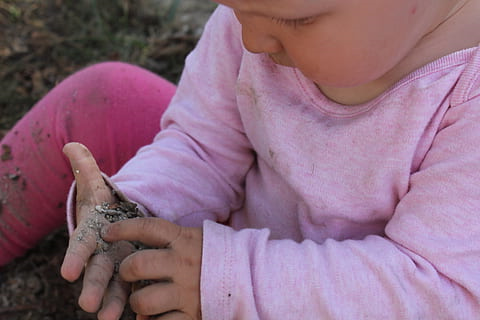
(42, 42)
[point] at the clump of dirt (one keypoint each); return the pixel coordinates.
(122, 210)
(110, 212)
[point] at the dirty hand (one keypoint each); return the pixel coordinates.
(86, 249)
(174, 266)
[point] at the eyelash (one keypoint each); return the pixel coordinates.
(294, 22)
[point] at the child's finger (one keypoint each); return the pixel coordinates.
(91, 188)
(98, 283)
(81, 246)
(149, 264)
(115, 299)
(154, 232)
(84, 166)
(95, 282)
(158, 298)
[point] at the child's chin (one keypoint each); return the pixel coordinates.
(281, 60)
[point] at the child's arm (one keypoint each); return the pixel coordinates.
(195, 168)
(425, 267)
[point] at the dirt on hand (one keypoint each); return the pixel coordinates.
(110, 213)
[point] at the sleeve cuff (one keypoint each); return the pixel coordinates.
(216, 277)
(226, 285)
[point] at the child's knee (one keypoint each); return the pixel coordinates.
(101, 85)
(118, 85)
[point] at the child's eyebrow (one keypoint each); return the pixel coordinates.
(278, 8)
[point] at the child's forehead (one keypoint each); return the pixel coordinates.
(279, 8)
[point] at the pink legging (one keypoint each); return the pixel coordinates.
(112, 108)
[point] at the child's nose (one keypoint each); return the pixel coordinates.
(260, 42)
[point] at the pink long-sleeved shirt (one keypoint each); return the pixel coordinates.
(322, 211)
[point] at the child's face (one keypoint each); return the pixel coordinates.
(336, 43)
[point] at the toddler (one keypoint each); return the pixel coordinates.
(318, 160)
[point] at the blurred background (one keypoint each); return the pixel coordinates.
(42, 42)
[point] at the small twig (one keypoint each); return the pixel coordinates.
(172, 11)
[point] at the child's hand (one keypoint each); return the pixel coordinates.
(175, 265)
(86, 249)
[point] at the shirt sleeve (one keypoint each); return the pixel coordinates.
(425, 267)
(196, 166)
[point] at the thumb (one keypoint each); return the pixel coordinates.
(91, 188)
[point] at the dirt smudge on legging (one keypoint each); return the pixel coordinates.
(12, 186)
(6, 153)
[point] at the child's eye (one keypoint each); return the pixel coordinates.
(295, 22)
